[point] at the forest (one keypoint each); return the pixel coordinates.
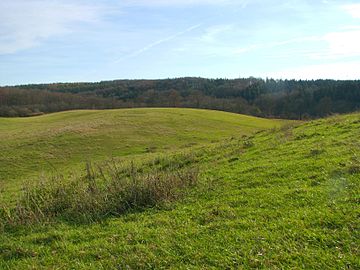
(290, 99)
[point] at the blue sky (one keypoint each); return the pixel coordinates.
(77, 40)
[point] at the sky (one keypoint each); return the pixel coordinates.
(45, 41)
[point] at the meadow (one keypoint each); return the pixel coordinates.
(64, 142)
(265, 194)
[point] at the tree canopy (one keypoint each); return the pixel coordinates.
(293, 99)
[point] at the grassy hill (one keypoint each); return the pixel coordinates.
(283, 198)
(64, 141)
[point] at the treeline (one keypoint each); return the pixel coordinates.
(21, 102)
(294, 99)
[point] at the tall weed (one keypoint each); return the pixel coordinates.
(107, 190)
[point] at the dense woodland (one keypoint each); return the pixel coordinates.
(293, 99)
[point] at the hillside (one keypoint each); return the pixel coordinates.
(284, 198)
(63, 142)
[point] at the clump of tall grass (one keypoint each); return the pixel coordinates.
(106, 190)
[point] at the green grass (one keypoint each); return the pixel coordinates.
(286, 198)
(64, 141)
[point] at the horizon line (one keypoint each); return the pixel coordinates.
(175, 78)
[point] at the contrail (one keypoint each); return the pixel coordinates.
(151, 45)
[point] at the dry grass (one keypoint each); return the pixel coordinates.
(109, 190)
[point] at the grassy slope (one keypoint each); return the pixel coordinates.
(280, 199)
(66, 140)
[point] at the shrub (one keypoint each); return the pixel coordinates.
(103, 191)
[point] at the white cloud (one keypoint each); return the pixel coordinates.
(340, 70)
(158, 42)
(25, 23)
(353, 10)
(343, 44)
(212, 33)
(183, 2)
(333, 45)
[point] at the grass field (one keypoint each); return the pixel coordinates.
(65, 141)
(280, 198)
